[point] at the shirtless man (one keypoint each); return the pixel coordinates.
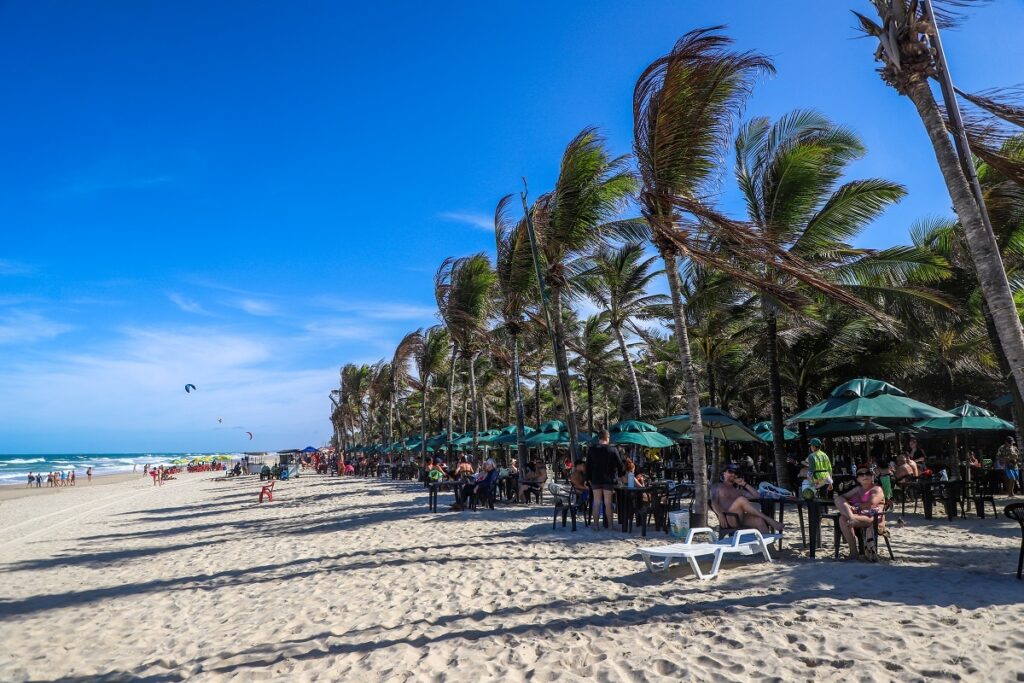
(733, 495)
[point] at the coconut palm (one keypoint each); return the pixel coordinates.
(908, 48)
(684, 105)
(516, 292)
(617, 281)
(464, 287)
(428, 350)
(595, 358)
(591, 190)
(788, 172)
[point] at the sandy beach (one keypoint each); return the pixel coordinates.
(355, 580)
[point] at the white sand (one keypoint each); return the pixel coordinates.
(354, 580)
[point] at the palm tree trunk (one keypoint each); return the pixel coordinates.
(473, 399)
(562, 367)
(520, 408)
(771, 338)
(630, 369)
(982, 243)
(590, 402)
(423, 423)
(1017, 407)
(801, 406)
(700, 463)
(536, 395)
(451, 402)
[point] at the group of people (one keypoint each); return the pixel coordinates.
(57, 478)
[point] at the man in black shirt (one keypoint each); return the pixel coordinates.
(604, 467)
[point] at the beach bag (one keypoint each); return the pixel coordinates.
(679, 523)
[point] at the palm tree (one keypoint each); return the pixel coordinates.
(595, 358)
(617, 281)
(788, 172)
(427, 349)
(909, 50)
(465, 286)
(683, 108)
(516, 291)
(592, 188)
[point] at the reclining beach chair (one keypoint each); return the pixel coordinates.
(741, 542)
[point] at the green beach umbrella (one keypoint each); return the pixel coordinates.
(864, 399)
(849, 428)
(764, 430)
(717, 423)
(639, 433)
(547, 438)
(967, 418)
(510, 438)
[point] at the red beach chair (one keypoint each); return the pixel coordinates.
(268, 491)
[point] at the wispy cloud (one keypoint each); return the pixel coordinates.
(257, 307)
(101, 183)
(477, 220)
(186, 305)
(18, 327)
(8, 267)
(378, 310)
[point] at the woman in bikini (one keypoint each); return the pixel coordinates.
(858, 509)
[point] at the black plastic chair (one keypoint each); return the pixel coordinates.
(983, 491)
(565, 504)
(1015, 511)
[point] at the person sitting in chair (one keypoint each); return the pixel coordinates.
(733, 496)
(536, 476)
(858, 508)
(481, 483)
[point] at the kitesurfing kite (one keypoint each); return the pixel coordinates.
(189, 388)
(219, 420)
(250, 435)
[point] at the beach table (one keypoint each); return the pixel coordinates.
(769, 505)
(949, 492)
(629, 501)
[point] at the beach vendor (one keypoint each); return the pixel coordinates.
(818, 471)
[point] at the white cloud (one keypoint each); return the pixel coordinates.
(379, 310)
(477, 220)
(8, 267)
(257, 307)
(128, 394)
(17, 327)
(186, 305)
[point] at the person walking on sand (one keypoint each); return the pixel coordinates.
(1010, 456)
(604, 467)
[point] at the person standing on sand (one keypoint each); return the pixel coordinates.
(604, 467)
(39, 481)
(31, 479)
(88, 474)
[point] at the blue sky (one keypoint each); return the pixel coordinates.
(246, 195)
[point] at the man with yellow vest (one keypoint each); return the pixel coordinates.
(819, 467)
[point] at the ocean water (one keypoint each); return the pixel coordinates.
(14, 468)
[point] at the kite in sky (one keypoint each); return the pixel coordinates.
(250, 435)
(189, 388)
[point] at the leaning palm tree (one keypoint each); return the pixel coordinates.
(592, 188)
(516, 291)
(684, 105)
(910, 52)
(466, 284)
(617, 281)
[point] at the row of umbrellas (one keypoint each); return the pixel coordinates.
(861, 406)
(201, 459)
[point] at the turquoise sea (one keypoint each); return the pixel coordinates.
(14, 468)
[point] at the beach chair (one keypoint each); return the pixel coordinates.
(741, 542)
(268, 491)
(565, 503)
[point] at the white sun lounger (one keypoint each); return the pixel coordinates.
(742, 542)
